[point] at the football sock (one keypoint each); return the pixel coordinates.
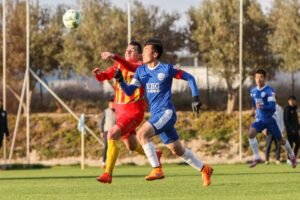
(112, 155)
(289, 149)
(254, 146)
(139, 149)
(190, 159)
(151, 154)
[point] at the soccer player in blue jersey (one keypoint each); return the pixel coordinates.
(264, 107)
(156, 78)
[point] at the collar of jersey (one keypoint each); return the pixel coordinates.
(153, 67)
(261, 88)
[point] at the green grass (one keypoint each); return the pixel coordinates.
(181, 182)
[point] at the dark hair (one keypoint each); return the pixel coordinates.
(111, 100)
(261, 71)
(156, 46)
(137, 45)
(292, 97)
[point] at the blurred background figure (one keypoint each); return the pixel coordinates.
(107, 121)
(292, 124)
(3, 124)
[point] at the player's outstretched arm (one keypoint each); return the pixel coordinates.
(127, 65)
(105, 75)
(128, 89)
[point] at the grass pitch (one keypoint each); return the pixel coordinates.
(181, 182)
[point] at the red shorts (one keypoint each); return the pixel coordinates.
(129, 117)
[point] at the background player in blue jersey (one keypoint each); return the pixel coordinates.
(264, 107)
(156, 78)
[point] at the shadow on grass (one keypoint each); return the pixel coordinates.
(63, 177)
(17, 166)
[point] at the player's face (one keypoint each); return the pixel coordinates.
(292, 102)
(131, 54)
(111, 105)
(259, 80)
(148, 54)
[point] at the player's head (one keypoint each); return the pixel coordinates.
(260, 77)
(152, 51)
(133, 51)
(292, 101)
(111, 103)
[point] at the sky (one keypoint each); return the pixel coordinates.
(181, 6)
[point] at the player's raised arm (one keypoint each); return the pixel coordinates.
(128, 89)
(132, 57)
(127, 65)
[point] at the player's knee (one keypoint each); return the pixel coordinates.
(131, 147)
(113, 134)
(252, 133)
(140, 136)
(178, 152)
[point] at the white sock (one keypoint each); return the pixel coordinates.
(254, 146)
(289, 149)
(151, 154)
(190, 159)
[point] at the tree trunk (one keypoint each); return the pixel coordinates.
(207, 90)
(231, 100)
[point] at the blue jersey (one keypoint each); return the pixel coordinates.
(266, 98)
(157, 83)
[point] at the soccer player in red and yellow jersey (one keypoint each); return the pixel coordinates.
(129, 110)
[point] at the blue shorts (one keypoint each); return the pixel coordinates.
(269, 124)
(163, 124)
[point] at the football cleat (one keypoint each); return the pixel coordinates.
(206, 174)
(105, 178)
(294, 162)
(253, 163)
(155, 174)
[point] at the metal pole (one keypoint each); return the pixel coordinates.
(28, 83)
(18, 117)
(128, 22)
(82, 149)
(241, 82)
(4, 69)
(64, 105)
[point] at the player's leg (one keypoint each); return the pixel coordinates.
(145, 133)
(103, 164)
(189, 157)
(273, 128)
(290, 138)
(277, 150)
(268, 147)
(130, 121)
(113, 136)
(256, 127)
(297, 144)
(132, 144)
